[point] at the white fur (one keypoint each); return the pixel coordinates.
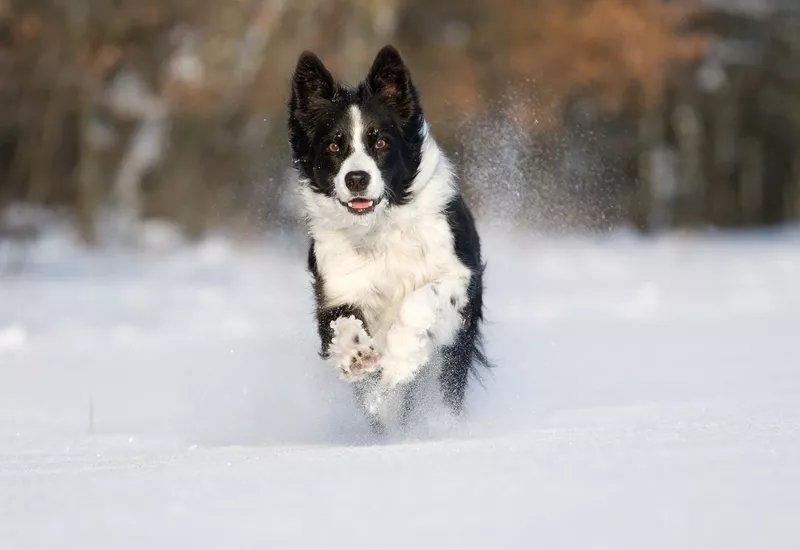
(351, 352)
(398, 265)
(358, 160)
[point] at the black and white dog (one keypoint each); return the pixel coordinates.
(394, 251)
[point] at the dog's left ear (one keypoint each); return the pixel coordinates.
(390, 79)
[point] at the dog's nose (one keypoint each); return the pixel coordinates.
(356, 182)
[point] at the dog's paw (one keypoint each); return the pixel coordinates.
(351, 352)
(357, 364)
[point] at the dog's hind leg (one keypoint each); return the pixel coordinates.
(456, 366)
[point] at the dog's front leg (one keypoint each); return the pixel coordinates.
(429, 317)
(346, 344)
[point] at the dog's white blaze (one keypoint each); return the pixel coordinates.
(399, 266)
(359, 160)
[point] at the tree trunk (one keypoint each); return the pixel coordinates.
(653, 202)
(691, 184)
(87, 173)
(721, 205)
(41, 176)
(751, 182)
(794, 202)
(87, 169)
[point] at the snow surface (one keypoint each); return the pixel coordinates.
(647, 396)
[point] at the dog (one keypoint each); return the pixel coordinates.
(394, 253)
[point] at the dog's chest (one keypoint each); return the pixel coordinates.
(377, 273)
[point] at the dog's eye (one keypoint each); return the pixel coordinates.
(381, 144)
(333, 147)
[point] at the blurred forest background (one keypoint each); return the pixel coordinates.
(559, 113)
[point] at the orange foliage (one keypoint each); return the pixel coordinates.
(613, 51)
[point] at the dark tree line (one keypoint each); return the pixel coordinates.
(561, 113)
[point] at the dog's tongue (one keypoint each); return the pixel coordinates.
(360, 203)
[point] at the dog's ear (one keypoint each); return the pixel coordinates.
(312, 81)
(390, 79)
(313, 89)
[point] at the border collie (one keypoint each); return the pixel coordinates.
(394, 253)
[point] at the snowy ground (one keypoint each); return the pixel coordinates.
(647, 396)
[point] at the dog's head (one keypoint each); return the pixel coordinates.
(356, 149)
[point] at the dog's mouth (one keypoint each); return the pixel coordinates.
(360, 206)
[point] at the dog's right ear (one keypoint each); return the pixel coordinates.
(313, 89)
(312, 83)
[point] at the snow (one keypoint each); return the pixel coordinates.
(647, 396)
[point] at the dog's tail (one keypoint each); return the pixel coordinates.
(480, 360)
